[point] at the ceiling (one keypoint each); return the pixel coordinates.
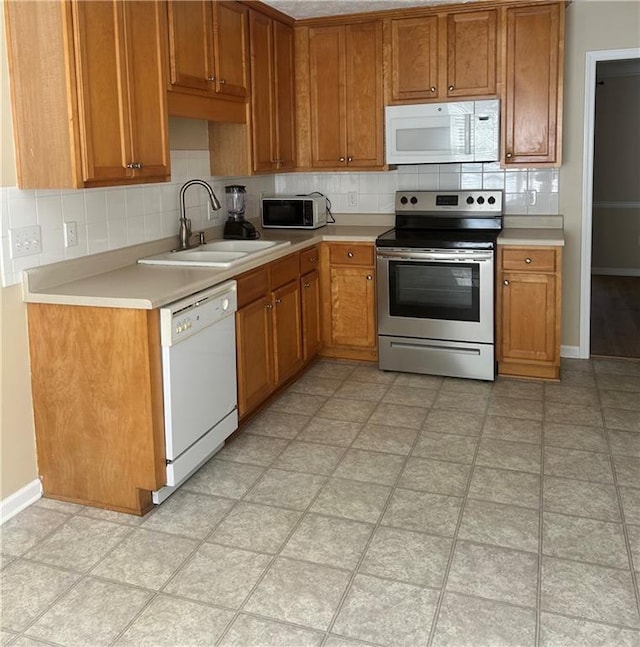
(300, 9)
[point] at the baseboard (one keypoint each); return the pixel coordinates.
(572, 352)
(19, 500)
(616, 271)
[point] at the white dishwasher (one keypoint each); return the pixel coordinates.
(198, 341)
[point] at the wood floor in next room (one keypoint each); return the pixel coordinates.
(365, 509)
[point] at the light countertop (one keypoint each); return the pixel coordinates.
(116, 280)
(532, 231)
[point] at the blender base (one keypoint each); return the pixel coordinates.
(239, 230)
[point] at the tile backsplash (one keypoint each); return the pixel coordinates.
(374, 192)
(116, 217)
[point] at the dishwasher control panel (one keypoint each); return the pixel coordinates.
(184, 318)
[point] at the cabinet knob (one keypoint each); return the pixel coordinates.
(211, 78)
(527, 260)
(341, 159)
(269, 306)
(451, 88)
(222, 81)
(432, 88)
(509, 155)
(307, 285)
(350, 254)
(278, 300)
(506, 282)
(349, 159)
(369, 277)
(312, 259)
(135, 165)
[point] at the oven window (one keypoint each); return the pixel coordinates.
(448, 291)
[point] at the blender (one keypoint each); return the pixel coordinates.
(236, 226)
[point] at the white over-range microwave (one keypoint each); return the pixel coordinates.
(457, 131)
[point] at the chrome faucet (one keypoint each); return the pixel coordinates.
(185, 223)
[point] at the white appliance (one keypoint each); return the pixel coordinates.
(198, 341)
(460, 131)
(294, 212)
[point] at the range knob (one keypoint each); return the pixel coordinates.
(491, 200)
(470, 200)
(480, 200)
(414, 200)
(403, 200)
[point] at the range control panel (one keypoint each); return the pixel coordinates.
(467, 202)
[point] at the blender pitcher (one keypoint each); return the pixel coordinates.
(236, 226)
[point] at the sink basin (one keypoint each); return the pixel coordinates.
(221, 253)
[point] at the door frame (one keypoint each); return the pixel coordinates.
(592, 59)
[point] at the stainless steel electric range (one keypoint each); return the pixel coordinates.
(436, 276)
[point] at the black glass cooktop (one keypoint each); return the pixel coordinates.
(439, 238)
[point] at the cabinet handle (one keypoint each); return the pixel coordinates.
(509, 155)
(341, 159)
(269, 306)
(211, 78)
(369, 277)
(278, 300)
(506, 282)
(350, 254)
(135, 165)
(451, 88)
(222, 81)
(307, 285)
(527, 260)
(432, 88)
(349, 159)
(313, 259)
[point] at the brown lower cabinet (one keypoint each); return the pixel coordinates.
(349, 301)
(277, 325)
(528, 305)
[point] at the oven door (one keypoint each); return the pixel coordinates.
(436, 294)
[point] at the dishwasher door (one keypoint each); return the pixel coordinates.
(199, 378)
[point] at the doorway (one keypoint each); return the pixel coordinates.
(610, 275)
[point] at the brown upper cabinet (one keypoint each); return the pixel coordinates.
(340, 96)
(73, 131)
(272, 94)
(441, 56)
(208, 44)
(533, 78)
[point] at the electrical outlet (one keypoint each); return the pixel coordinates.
(532, 197)
(70, 234)
(352, 199)
(25, 241)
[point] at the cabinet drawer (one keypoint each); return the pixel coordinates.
(529, 259)
(345, 254)
(309, 260)
(285, 270)
(252, 285)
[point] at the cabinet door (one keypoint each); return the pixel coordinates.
(262, 98)
(414, 59)
(353, 306)
(254, 353)
(230, 48)
(287, 331)
(533, 84)
(146, 57)
(471, 54)
(103, 106)
(190, 45)
(364, 102)
(528, 317)
(327, 96)
(283, 69)
(311, 322)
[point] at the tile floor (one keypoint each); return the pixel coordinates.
(365, 508)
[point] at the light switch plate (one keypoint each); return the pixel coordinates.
(25, 241)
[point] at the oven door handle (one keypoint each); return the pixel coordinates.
(453, 257)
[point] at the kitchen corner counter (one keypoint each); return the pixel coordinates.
(532, 230)
(116, 280)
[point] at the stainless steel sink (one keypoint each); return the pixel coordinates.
(221, 253)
